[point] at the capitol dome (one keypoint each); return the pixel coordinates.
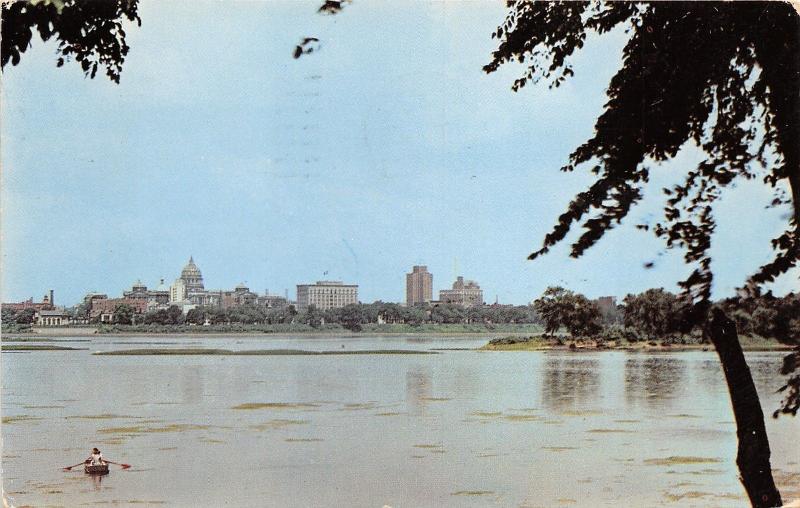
(190, 271)
(191, 276)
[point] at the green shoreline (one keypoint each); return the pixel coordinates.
(256, 352)
(749, 343)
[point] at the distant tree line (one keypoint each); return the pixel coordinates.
(354, 316)
(655, 314)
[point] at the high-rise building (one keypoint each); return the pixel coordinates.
(467, 293)
(326, 294)
(177, 291)
(419, 286)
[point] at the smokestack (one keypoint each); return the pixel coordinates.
(51, 298)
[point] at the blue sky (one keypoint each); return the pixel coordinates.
(387, 148)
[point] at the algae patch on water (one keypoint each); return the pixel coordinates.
(104, 416)
(692, 494)
(487, 414)
(35, 347)
(472, 493)
(275, 405)
(278, 423)
(675, 460)
(522, 418)
(358, 406)
(141, 429)
(432, 448)
(609, 431)
(20, 418)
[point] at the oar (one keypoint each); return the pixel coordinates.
(76, 465)
(124, 466)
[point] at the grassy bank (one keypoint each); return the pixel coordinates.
(256, 352)
(326, 329)
(540, 342)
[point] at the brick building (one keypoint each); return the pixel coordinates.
(419, 286)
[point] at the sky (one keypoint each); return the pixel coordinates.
(387, 148)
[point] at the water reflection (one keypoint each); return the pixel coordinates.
(570, 382)
(418, 388)
(653, 379)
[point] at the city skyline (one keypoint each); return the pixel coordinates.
(140, 284)
(324, 165)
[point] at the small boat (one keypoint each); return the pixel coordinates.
(98, 469)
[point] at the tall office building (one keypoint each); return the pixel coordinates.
(419, 286)
(326, 294)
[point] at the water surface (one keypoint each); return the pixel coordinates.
(458, 428)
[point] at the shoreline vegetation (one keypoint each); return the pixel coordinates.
(543, 342)
(279, 329)
(256, 352)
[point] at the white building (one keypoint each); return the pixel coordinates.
(326, 294)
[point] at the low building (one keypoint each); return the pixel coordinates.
(104, 308)
(45, 304)
(159, 295)
(241, 295)
(326, 294)
(272, 301)
(465, 293)
(53, 317)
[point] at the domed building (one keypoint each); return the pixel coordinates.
(155, 298)
(138, 290)
(192, 278)
(188, 290)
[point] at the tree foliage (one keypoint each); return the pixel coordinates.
(559, 307)
(88, 32)
(655, 312)
(123, 314)
(715, 74)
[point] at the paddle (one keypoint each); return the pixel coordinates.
(124, 466)
(76, 465)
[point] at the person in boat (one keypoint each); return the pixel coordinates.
(96, 458)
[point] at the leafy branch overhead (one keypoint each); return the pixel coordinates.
(723, 75)
(90, 33)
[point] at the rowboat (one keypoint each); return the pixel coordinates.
(98, 469)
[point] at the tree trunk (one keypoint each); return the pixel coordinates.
(753, 455)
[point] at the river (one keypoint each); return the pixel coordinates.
(455, 428)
